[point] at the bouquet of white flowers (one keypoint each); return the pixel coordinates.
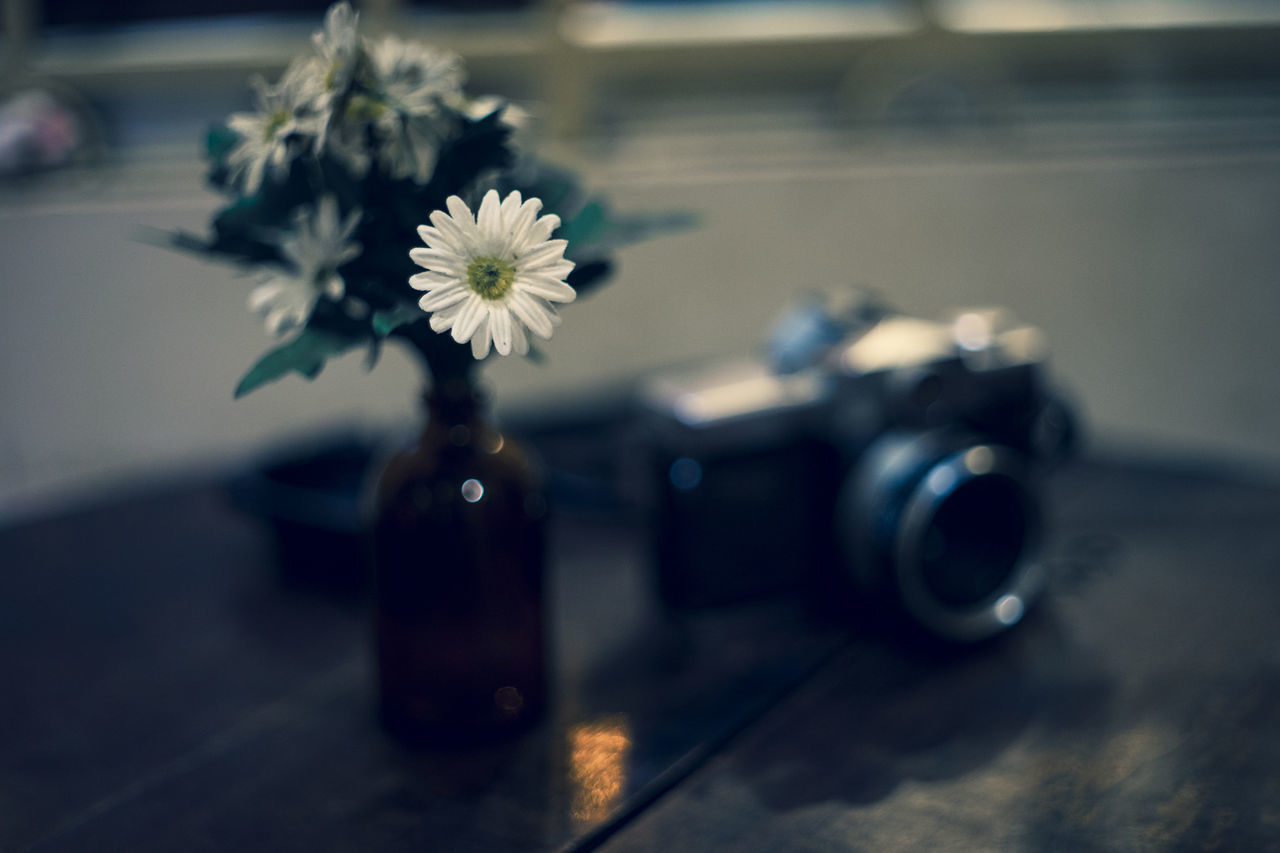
(375, 199)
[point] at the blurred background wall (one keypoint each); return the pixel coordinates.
(1110, 171)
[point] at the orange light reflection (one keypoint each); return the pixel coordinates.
(598, 751)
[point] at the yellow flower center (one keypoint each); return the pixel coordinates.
(365, 108)
(490, 277)
(331, 77)
(275, 121)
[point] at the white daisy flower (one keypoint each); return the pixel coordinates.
(415, 79)
(412, 83)
(338, 46)
(341, 63)
(284, 302)
(321, 244)
(303, 81)
(383, 100)
(493, 275)
(271, 137)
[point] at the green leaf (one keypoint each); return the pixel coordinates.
(386, 322)
(305, 354)
(590, 225)
(638, 227)
(179, 240)
(218, 142)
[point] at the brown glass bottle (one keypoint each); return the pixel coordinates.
(459, 546)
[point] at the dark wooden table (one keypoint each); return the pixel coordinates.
(1139, 710)
(166, 689)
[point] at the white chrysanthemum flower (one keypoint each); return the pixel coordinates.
(321, 244)
(271, 137)
(383, 100)
(493, 275)
(341, 61)
(417, 80)
(303, 81)
(339, 46)
(412, 83)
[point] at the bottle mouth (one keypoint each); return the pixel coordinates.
(966, 548)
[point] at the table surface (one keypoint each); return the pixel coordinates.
(169, 690)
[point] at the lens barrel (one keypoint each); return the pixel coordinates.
(949, 525)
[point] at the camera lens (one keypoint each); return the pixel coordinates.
(949, 525)
(974, 542)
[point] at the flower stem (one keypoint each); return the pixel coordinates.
(443, 360)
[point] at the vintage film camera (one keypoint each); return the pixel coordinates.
(872, 456)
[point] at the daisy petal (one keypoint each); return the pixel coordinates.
(463, 218)
(549, 252)
(443, 298)
(435, 258)
(458, 209)
(541, 230)
(558, 270)
(547, 288)
(521, 224)
(284, 320)
(519, 340)
(454, 236)
(431, 280)
(509, 207)
(264, 294)
(532, 314)
(556, 319)
(480, 340)
(489, 221)
(473, 312)
(444, 318)
(500, 326)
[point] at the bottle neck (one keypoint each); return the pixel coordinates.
(454, 403)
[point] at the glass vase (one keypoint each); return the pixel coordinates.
(458, 529)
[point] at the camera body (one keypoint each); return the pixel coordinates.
(871, 454)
